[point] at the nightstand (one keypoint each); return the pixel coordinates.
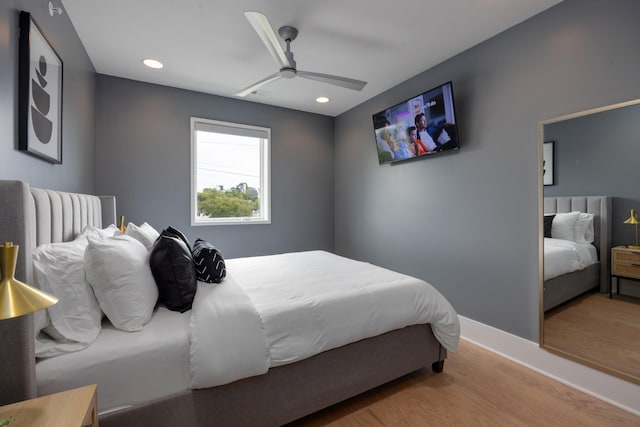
(71, 408)
(625, 263)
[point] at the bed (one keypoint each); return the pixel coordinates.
(287, 391)
(563, 282)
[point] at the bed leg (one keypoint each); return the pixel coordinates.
(437, 366)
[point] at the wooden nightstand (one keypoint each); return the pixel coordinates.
(71, 408)
(625, 263)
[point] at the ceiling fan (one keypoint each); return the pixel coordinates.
(284, 58)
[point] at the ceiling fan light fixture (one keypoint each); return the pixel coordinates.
(152, 63)
(288, 73)
(322, 99)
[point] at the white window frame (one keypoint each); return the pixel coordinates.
(265, 170)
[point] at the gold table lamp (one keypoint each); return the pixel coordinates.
(633, 219)
(17, 298)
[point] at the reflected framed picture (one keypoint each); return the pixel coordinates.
(548, 165)
(40, 94)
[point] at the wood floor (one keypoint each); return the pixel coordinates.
(598, 329)
(476, 388)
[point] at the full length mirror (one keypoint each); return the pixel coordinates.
(590, 286)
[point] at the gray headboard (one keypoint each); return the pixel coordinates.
(600, 206)
(31, 217)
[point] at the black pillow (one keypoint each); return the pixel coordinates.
(210, 266)
(174, 232)
(174, 272)
(548, 221)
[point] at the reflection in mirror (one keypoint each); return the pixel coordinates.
(590, 286)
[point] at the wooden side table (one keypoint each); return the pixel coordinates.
(625, 263)
(71, 408)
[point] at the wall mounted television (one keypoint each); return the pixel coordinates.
(422, 126)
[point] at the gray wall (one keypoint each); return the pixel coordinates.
(143, 151)
(76, 173)
(468, 222)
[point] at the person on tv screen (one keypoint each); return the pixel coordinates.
(438, 137)
(385, 153)
(423, 134)
(416, 147)
(399, 149)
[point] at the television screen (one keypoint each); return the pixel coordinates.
(418, 127)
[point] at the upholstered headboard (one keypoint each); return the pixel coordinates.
(31, 217)
(600, 206)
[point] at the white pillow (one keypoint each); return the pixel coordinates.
(41, 317)
(118, 270)
(74, 322)
(58, 268)
(584, 228)
(90, 230)
(144, 233)
(564, 226)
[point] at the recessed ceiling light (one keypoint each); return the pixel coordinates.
(152, 63)
(322, 100)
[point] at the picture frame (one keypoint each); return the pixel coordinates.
(548, 165)
(39, 94)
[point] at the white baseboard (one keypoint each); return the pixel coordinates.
(613, 390)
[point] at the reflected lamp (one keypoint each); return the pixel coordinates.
(633, 219)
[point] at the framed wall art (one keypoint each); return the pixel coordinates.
(40, 94)
(548, 165)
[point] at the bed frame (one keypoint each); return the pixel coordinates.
(563, 288)
(31, 217)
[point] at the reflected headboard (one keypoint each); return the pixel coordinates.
(30, 217)
(600, 206)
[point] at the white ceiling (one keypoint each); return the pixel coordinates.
(209, 46)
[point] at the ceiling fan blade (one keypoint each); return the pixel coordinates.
(261, 24)
(333, 80)
(244, 92)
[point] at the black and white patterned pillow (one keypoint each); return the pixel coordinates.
(210, 266)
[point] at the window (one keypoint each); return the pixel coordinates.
(229, 173)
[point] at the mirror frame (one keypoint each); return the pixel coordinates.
(572, 357)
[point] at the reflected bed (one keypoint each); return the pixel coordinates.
(564, 287)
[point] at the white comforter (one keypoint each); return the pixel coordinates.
(564, 256)
(279, 309)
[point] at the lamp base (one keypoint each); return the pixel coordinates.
(636, 247)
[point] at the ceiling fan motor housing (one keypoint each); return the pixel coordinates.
(288, 72)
